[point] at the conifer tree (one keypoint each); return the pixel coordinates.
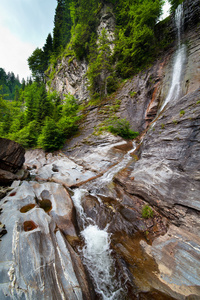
(100, 67)
(62, 25)
(47, 50)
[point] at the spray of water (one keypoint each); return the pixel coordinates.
(97, 258)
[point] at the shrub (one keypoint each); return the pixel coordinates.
(51, 137)
(68, 125)
(182, 112)
(147, 212)
(122, 128)
(27, 136)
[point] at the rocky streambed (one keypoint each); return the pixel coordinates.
(97, 246)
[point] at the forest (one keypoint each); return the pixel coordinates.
(35, 117)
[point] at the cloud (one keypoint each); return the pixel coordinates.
(14, 53)
(24, 26)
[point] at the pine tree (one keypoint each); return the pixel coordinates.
(62, 25)
(100, 67)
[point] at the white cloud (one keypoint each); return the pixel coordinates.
(24, 26)
(166, 10)
(14, 53)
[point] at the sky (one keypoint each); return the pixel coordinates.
(24, 26)
(166, 10)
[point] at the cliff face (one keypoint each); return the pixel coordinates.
(154, 258)
(70, 74)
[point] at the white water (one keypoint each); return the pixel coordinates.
(175, 88)
(96, 253)
(108, 176)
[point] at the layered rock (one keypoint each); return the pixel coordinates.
(70, 78)
(11, 155)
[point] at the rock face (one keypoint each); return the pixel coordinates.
(70, 74)
(11, 155)
(11, 162)
(70, 78)
(167, 173)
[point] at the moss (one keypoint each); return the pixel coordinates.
(162, 126)
(132, 94)
(182, 112)
(147, 212)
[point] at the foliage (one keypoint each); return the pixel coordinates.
(39, 118)
(27, 136)
(136, 39)
(62, 25)
(182, 112)
(175, 4)
(9, 84)
(51, 137)
(121, 127)
(147, 212)
(100, 67)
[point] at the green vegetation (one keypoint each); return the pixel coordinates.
(147, 212)
(10, 85)
(175, 3)
(75, 34)
(38, 118)
(162, 126)
(182, 112)
(121, 127)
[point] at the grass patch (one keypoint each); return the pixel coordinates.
(182, 112)
(147, 212)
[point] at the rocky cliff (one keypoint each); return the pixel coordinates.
(46, 252)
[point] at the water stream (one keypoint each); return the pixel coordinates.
(96, 252)
(179, 59)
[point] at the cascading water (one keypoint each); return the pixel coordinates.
(175, 88)
(97, 253)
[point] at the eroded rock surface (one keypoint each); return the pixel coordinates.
(37, 262)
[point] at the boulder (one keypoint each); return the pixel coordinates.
(7, 177)
(11, 155)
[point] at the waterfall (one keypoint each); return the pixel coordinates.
(175, 88)
(96, 252)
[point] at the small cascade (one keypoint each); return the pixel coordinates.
(97, 253)
(175, 88)
(108, 175)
